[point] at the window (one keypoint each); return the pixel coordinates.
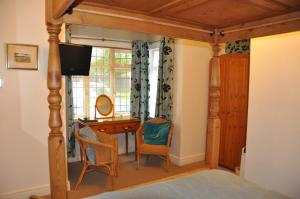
(110, 74)
(153, 78)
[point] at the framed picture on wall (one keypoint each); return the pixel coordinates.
(22, 56)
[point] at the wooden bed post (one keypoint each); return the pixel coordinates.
(56, 141)
(213, 123)
(55, 9)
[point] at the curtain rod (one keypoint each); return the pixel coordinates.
(104, 39)
(101, 39)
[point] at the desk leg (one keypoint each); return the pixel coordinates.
(126, 139)
(135, 146)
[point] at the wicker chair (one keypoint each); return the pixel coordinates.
(105, 151)
(151, 149)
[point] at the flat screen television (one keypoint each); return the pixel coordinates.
(75, 59)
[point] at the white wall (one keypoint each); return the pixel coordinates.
(190, 101)
(23, 103)
(273, 135)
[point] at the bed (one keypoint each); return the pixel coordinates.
(209, 184)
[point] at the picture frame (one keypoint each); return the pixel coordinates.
(22, 56)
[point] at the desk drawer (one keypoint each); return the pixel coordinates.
(103, 128)
(127, 127)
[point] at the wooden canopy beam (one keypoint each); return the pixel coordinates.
(60, 7)
(270, 26)
(87, 15)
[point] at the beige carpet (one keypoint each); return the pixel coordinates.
(96, 182)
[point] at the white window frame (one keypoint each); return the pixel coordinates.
(88, 111)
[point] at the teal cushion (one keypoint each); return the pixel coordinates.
(88, 133)
(156, 133)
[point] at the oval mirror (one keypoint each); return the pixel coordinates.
(104, 105)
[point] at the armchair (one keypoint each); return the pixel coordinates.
(161, 150)
(99, 150)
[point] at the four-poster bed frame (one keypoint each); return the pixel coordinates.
(191, 19)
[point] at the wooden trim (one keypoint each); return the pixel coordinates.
(181, 6)
(270, 26)
(86, 15)
(252, 24)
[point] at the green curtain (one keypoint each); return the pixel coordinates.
(139, 95)
(69, 105)
(164, 99)
(240, 46)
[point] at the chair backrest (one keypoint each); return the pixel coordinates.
(163, 121)
(157, 121)
(97, 152)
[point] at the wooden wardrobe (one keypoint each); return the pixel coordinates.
(234, 72)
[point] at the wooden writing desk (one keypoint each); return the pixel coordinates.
(114, 125)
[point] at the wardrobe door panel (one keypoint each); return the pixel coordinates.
(233, 108)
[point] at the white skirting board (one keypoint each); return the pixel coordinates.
(26, 193)
(180, 161)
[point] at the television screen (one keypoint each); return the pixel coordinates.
(75, 59)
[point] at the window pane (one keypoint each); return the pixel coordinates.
(122, 95)
(105, 72)
(123, 57)
(78, 96)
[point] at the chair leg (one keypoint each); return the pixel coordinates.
(115, 169)
(126, 140)
(147, 158)
(111, 174)
(112, 182)
(167, 163)
(138, 161)
(116, 172)
(85, 166)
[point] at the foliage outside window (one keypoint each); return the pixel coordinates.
(110, 74)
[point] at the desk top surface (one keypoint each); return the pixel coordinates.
(92, 121)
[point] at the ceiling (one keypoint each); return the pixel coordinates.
(208, 14)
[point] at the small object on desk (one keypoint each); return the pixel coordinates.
(86, 119)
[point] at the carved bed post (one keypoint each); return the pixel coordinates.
(213, 123)
(56, 141)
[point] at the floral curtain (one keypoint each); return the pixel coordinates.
(139, 95)
(69, 105)
(240, 46)
(164, 99)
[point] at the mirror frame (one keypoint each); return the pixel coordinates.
(110, 103)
